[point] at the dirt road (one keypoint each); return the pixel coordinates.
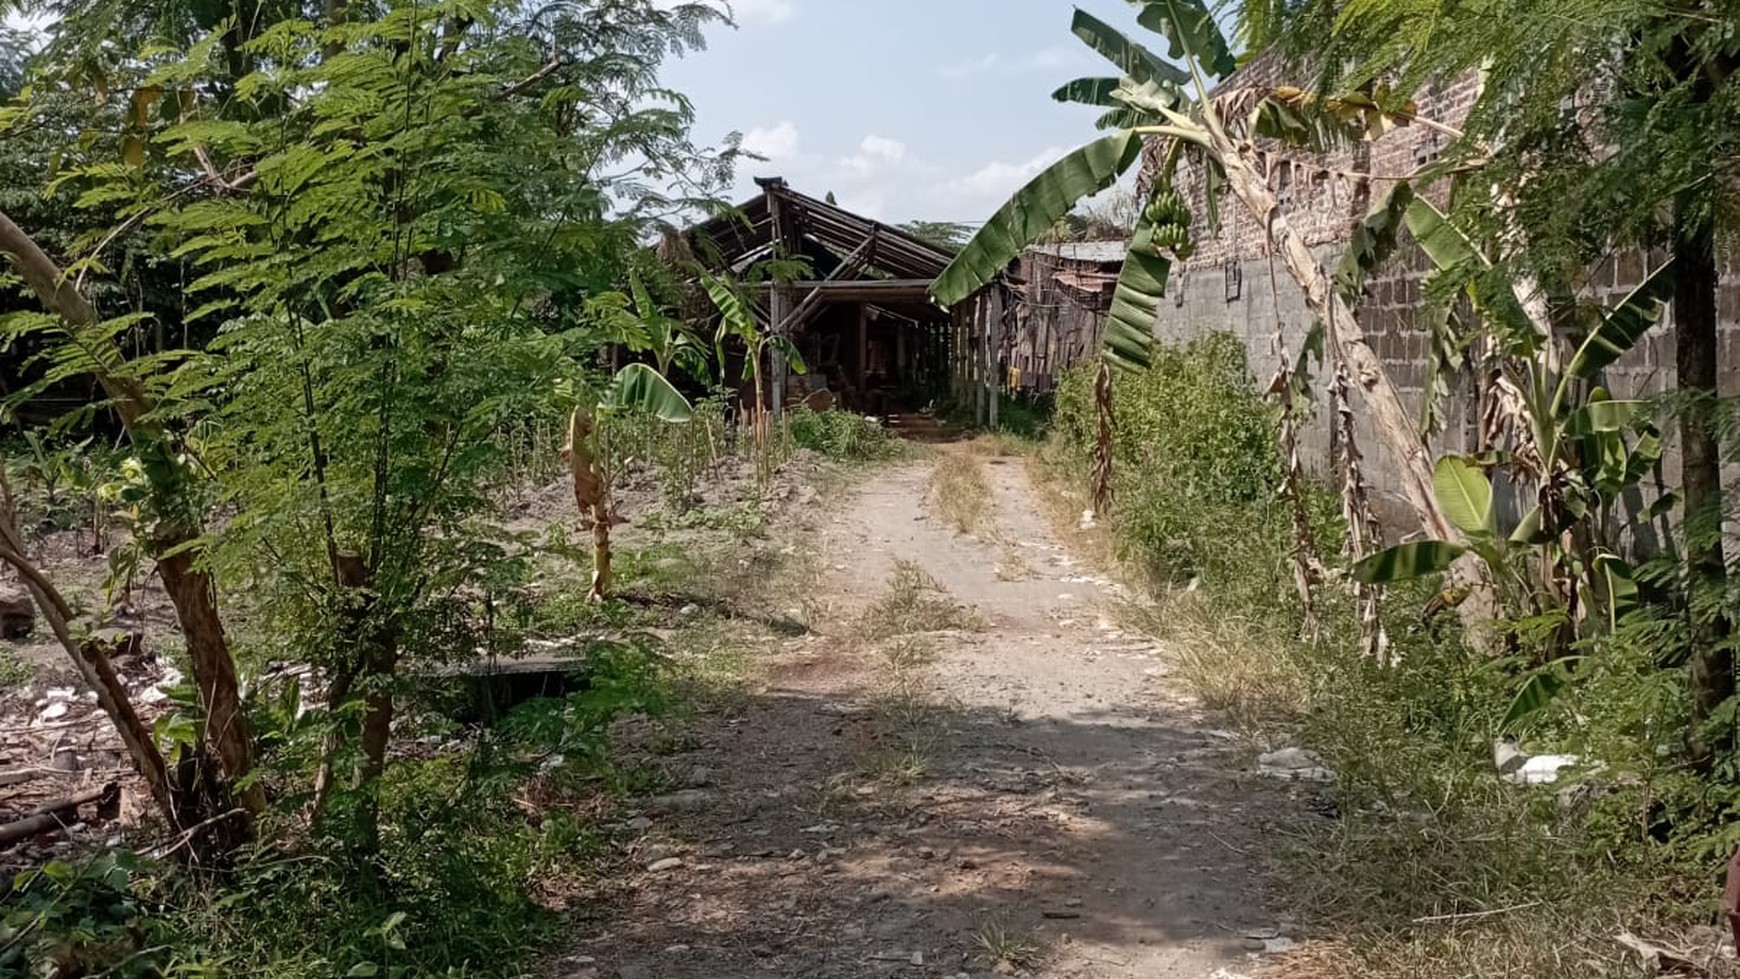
(966, 770)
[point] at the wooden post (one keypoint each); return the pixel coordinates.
(976, 359)
(864, 354)
(776, 363)
(778, 305)
(993, 340)
(900, 353)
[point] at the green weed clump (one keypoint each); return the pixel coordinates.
(840, 435)
(1196, 472)
(486, 838)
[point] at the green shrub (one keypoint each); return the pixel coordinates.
(839, 435)
(1196, 471)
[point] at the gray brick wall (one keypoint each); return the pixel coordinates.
(1324, 199)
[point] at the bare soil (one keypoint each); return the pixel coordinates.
(1034, 797)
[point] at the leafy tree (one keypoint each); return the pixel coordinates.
(950, 236)
(406, 225)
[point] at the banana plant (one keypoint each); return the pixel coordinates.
(1166, 102)
(1580, 448)
(736, 321)
(637, 387)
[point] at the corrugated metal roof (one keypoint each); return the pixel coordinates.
(1097, 252)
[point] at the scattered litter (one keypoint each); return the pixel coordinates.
(1294, 763)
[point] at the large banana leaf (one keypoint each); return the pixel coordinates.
(1131, 58)
(735, 318)
(1464, 494)
(1033, 211)
(638, 387)
(1190, 28)
(1407, 561)
(1089, 91)
(1128, 340)
(1626, 324)
(1621, 587)
(1538, 689)
(1454, 253)
(1606, 416)
(1157, 103)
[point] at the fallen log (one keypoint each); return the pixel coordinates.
(48, 816)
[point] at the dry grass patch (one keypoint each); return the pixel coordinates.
(1259, 679)
(1061, 505)
(960, 492)
(915, 604)
(901, 626)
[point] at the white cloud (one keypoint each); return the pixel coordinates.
(994, 182)
(762, 11)
(877, 154)
(1049, 59)
(881, 147)
(981, 65)
(776, 142)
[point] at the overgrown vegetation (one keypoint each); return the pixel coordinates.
(1423, 826)
(1591, 132)
(347, 279)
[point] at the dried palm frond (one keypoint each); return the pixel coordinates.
(1364, 534)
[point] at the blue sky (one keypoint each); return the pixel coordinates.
(904, 109)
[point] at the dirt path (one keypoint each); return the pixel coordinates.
(1026, 796)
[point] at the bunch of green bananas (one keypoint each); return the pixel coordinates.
(1169, 216)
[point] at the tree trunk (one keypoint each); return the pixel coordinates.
(175, 544)
(194, 596)
(1694, 308)
(1394, 423)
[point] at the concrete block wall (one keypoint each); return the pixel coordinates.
(1226, 286)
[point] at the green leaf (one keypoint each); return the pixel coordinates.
(1374, 240)
(639, 387)
(1128, 339)
(1033, 211)
(1534, 696)
(1605, 416)
(1190, 28)
(1089, 91)
(1621, 586)
(1131, 58)
(733, 311)
(1529, 529)
(362, 970)
(1464, 493)
(1453, 252)
(1623, 326)
(1405, 562)
(788, 350)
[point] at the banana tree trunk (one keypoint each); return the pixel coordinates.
(591, 497)
(1393, 422)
